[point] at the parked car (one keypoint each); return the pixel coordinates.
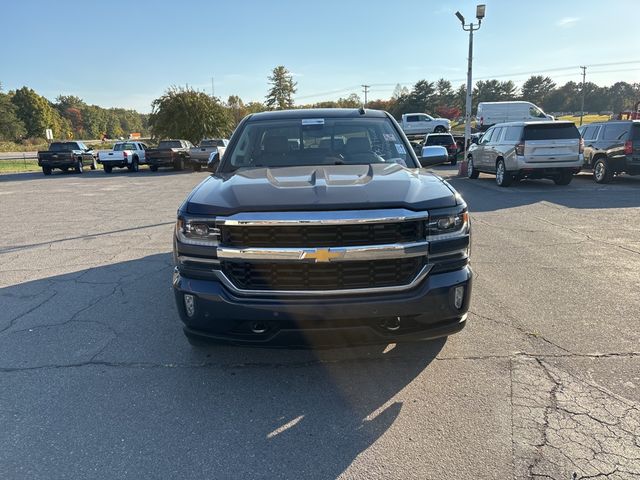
(492, 113)
(169, 153)
(517, 150)
(302, 238)
(445, 140)
(420, 124)
(200, 155)
(611, 148)
(66, 155)
(124, 154)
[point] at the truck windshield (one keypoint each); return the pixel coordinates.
(170, 144)
(118, 147)
(63, 147)
(439, 140)
(318, 141)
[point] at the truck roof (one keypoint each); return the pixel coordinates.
(533, 122)
(318, 112)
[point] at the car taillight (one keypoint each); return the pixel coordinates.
(581, 145)
(628, 147)
(520, 149)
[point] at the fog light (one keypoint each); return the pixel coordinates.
(189, 304)
(458, 297)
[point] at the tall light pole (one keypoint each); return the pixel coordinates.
(365, 89)
(584, 74)
(471, 27)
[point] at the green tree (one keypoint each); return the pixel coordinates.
(282, 89)
(189, 114)
(36, 113)
(445, 95)
(11, 127)
(537, 88)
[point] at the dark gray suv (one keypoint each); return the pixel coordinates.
(611, 148)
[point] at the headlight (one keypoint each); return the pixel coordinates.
(447, 222)
(197, 231)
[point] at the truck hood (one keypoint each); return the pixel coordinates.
(334, 187)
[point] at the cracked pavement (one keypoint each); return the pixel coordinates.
(97, 380)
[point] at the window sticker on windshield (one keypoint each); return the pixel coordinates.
(389, 137)
(313, 121)
(400, 149)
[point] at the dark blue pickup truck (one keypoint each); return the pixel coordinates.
(65, 156)
(320, 226)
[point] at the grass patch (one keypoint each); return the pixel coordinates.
(10, 166)
(585, 119)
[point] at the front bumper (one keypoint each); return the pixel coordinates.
(426, 311)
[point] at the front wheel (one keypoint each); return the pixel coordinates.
(472, 173)
(564, 178)
(79, 166)
(46, 170)
(134, 167)
(601, 171)
(439, 129)
(503, 178)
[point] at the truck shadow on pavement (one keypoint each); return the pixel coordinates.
(96, 377)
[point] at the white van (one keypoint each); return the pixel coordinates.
(490, 113)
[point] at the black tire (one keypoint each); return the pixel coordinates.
(46, 170)
(439, 129)
(454, 161)
(108, 168)
(153, 168)
(503, 178)
(79, 166)
(134, 167)
(564, 178)
(178, 164)
(472, 173)
(602, 173)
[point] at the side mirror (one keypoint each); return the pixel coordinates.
(433, 155)
(214, 161)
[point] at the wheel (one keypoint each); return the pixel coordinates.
(564, 178)
(439, 129)
(134, 167)
(178, 164)
(503, 178)
(601, 171)
(79, 166)
(472, 172)
(46, 170)
(454, 161)
(153, 168)
(94, 165)
(108, 168)
(197, 167)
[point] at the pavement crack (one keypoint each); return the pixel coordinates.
(13, 321)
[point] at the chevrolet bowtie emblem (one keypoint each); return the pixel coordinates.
(321, 255)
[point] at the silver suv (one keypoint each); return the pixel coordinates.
(517, 150)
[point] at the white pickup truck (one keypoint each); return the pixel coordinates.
(124, 154)
(200, 155)
(419, 124)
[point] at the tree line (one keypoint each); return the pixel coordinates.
(183, 112)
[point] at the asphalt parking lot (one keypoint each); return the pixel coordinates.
(97, 380)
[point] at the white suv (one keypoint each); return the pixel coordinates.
(517, 150)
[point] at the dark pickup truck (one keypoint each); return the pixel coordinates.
(169, 153)
(66, 155)
(320, 227)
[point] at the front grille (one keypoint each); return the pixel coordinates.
(323, 235)
(323, 276)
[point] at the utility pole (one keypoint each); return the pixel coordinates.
(366, 91)
(584, 74)
(213, 88)
(471, 27)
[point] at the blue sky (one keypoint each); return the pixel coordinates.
(126, 53)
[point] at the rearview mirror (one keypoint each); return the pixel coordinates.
(214, 161)
(433, 155)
